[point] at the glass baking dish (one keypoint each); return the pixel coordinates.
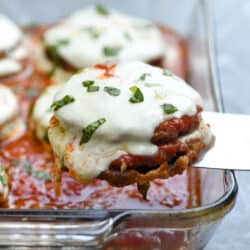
(189, 228)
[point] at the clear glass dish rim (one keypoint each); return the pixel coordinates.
(222, 205)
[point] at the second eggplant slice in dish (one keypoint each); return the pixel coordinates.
(127, 123)
(96, 35)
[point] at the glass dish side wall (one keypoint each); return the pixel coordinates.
(168, 229)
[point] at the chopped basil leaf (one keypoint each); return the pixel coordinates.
(62, 42)
(3, 179)
(90, 129)
(88, 83)
(53, 52)
(111, 51)
(137, 95)
(31, 92)
(93, 32)
(79, 71)
(90, 86)
(41, 175)
(62, 102)
(112, 91)
(38, 174)
(27, 167)
(102, 10)
(151, 84)
(168, 108)
(128, 36)
(166, 73)
(93, 88)
(143, 76)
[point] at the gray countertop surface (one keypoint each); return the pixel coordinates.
(233, 37)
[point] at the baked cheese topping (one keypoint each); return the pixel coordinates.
(105, 113)
(42, 112)
(96, 35)
(12, 49)
(8, 105)
(10, 34)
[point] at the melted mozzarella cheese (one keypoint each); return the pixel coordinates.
(87, 33)
(9, 66)
(129, 126)
(202, 133)
(8, 105)
(12, 48)
(10, 125)
(19, 53)
(42, 112)
(10, 34)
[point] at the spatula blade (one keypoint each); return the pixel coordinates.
(231, 149)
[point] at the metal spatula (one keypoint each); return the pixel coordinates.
(231, 149)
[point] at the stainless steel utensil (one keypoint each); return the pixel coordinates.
(231, 149)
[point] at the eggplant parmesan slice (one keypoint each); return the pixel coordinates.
(88, 37)
(14, 60)
(42, 113)
(126, 123)
(11, 126)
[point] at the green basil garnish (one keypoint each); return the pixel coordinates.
(32, 92)
(88, 83)
(93, 88)
(137, 95)
(79, 71)
(41, 175)
(143, 76)
(3, 179)
(62, 102)
(110, 51)
(151, 84)
(93, 32)
(90, 129)
(27, 167)
(168, 108)
(166, 73)
(112, 91)
(90, 86)
(142, 79)
(102, 10)
(38, 174)
(53, 52)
